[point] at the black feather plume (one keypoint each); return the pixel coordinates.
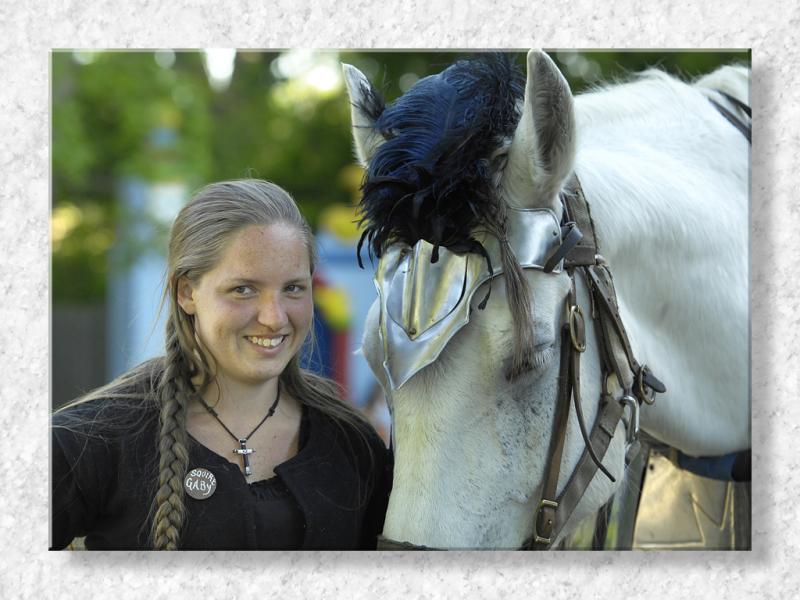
(432, 177)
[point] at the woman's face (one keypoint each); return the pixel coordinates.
(254, 308)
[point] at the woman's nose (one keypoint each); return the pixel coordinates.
(271, 313)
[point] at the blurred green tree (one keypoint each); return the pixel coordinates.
(282, 118)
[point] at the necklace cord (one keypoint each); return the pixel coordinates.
(270, 412)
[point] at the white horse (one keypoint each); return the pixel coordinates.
(666, 177)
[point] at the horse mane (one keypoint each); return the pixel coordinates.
(434, 176)
(610, 103)
(731, 79)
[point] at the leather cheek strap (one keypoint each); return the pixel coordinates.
(570, 235)
(546, 512)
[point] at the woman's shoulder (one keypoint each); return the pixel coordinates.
(91, 439)
(119, 407)
(103, 417)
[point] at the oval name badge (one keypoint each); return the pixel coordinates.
(200, 484)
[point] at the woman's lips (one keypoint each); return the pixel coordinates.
(267, 344)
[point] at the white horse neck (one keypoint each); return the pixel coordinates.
(667, 181)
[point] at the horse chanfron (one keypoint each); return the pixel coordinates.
(504, 384)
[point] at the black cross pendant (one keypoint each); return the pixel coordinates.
(244, 451)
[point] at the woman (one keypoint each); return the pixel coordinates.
(224, 442)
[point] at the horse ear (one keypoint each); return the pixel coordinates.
(363, 100)
(542, 153)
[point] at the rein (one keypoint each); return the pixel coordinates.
(581, 257)
(740, 124)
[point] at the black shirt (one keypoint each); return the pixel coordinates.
(328, 496)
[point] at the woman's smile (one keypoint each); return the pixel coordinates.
(268, 346)
(266, 342)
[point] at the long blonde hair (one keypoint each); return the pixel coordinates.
(199, 234)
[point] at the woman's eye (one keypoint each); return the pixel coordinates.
(243, 290)
(294, 288)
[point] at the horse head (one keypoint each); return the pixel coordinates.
(483, 281)
(462, 207)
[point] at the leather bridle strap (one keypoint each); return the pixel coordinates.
(743, 127)
(577, 211)
(566, 502)
(545, 519)
(602, 434)
(554, 511)
(571, 235)
(737, 103)
(605, 295)
(578, 338)
(579, 251)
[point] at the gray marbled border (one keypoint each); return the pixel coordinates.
(29, 31)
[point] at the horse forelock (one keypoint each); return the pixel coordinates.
(435, 177)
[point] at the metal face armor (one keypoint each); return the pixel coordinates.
(423, 304)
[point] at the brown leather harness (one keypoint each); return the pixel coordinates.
(617, 359)
(637, 381)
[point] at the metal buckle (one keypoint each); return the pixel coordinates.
(536, 537)
(647, 398)
(576, 312)
(633, 422)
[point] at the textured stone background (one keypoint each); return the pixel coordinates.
(29, 30)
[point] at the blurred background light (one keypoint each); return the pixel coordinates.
(319, 71)
(84, 57)
(219, 65)
(164, 58)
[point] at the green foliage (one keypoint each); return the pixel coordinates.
(103, 113)
(107, 105)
